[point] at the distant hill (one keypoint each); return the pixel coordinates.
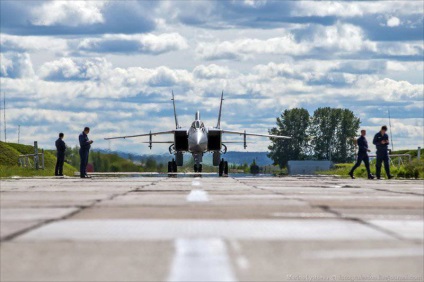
(238, 158)
(261, 158)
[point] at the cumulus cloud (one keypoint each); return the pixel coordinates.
(394, 90)
(97, 78)
(393, 21)
(336, 41)
(13, 43)
(68, 13)
(278, 70)
(139, 43)
(77, 17)
(355, 9)
(16, 65)
(245, 48)
(401, 49)
(340, 37)
(211, 71)
(74, 69)
(165, 77)
(31, 116)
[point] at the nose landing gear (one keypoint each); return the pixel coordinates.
(223, 168)
(172, 166)
(198, 168)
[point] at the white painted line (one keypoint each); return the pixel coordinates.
(366, 253)
(138, 230)
(201, 260)
(196, 183)
(236, 246)
(241, 261)
(409, 229)
(197, 195)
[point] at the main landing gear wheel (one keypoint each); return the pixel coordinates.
(223, 167)
(172, 166)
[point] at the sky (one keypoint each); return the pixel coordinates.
(111, 65)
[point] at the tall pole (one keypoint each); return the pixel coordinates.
(36, 154)
(1, 120)
(390, 126)
(4, 115)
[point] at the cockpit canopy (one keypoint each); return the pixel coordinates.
(197, 124)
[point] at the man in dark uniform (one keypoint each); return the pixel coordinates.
(381, 141)
(85, 145)
(61, 148)
(362, 155)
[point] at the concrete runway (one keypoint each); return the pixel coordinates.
(211, 229)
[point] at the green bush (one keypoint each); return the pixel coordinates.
(401, 172)
(415, 169)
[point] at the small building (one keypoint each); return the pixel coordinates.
(307, 167)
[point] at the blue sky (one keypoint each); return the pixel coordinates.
(112, 65)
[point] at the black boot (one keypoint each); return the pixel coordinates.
(351, 175)
(371, 176)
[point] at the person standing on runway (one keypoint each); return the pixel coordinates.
(61, 148)
(381, 141)
(85, 145)
(362, 155)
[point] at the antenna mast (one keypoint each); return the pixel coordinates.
(177, 125)
(4, 115)
(390, 126)
(1, 121)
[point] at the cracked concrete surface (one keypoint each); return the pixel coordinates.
(245, 229)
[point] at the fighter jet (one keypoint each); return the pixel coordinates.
(198, 140)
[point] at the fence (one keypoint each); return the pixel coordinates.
(398, 156)
(38, 159)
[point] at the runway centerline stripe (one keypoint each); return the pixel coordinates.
(201, 259)
(197, 195)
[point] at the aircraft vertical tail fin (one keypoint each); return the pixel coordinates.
(177, 125)
(218, 125)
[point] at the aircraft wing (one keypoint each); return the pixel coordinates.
(159, 142)
(142, 135)
(255, 134)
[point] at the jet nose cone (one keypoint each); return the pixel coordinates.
(199, 137)
(200, 141)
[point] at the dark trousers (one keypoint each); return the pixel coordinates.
(83, 161)
(366, 159)
(382, 157)
(59, 163)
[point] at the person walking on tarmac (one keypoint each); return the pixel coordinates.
(61, 148)
(362, 155)
(85, 145)
(381, 141)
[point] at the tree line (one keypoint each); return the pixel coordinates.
(326, 135)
